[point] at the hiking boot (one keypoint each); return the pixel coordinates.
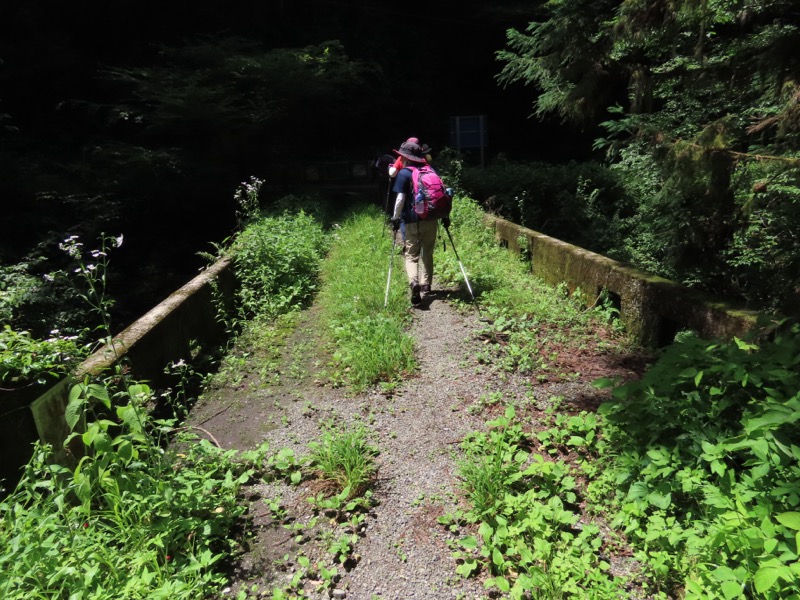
(425, 288)
(415, 296)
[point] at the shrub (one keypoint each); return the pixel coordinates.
(277, 262)
(707, 465)
(578, 202)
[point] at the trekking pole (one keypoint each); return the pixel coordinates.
(391, 263)
(386, 208)
(463, 272)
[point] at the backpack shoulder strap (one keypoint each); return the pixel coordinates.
(415, 175)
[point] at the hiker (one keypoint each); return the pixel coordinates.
(397, 165)
(420, 235)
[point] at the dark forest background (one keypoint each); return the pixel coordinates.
(141, 118)
(662, 133)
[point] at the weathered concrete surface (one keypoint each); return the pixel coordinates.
(165, 334)
(652, 308)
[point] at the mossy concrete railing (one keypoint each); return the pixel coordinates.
(652, 308)
(171, 331)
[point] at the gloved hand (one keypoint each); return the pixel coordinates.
(446, 222)
(395, 224)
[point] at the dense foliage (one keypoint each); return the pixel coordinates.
(277, 260)
(690, 472)
(149, 508)
(706, 464)
(580, 202)
(701, 109)
(24, 359)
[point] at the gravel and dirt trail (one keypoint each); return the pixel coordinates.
(401, 551)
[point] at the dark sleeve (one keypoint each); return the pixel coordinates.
(402, 183)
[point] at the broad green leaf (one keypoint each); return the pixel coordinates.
(770, 545)
(129, 415)
(772, 417)
(470, 542)
(485, 531)
(661, 501)
(125, 451)
(603, 383)
(139, 390)
(767, 528)
(467, 568)
(765, 578)
(75, 391)
(790, 520)
(74, 411)
(102, 442)
(723, 573)
(744, 345)
(708, 447)
(82, 488)
(502, 584)
(694, 589)
(795, 566)
(731, 589)
(99, 392)
(497, 557)
(90, 433)
(691, 372)
(638, 490)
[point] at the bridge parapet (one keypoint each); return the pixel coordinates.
(652, 308)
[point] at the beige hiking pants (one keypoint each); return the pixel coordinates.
(420, 240)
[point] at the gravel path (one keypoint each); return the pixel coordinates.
(402, 551)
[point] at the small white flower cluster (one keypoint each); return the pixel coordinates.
(246, 195)
(71, 246)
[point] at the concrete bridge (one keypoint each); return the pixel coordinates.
(652, 309)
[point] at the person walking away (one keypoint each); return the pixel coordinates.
(420, 234)
(395, 168)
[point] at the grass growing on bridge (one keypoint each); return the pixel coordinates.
(371, 343)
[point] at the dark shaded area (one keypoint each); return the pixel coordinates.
(108, 126)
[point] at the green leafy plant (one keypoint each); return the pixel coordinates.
(528, 538)
(706, 461)
(24, 360)
(148, 509)
(277, 261)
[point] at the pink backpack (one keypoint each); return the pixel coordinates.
(432, 200)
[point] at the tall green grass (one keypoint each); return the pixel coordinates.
(534, 320)
(371, 344)
(500, 279)
(344, 460)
